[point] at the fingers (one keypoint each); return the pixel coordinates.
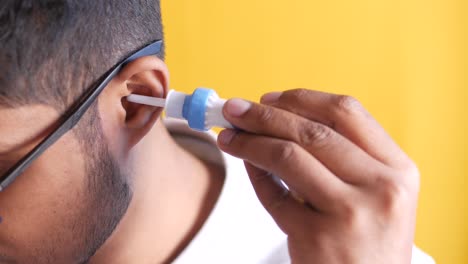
(346, 116)
(295, 166)
(347, 161)
(285, 210)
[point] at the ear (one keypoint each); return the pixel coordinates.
(125, 123)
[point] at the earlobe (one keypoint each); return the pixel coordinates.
(146, 76)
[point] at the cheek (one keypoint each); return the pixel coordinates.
(47, 197)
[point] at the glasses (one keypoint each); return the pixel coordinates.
(74, 114)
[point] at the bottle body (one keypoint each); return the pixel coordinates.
(203, 109)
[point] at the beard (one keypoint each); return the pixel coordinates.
(108, 200)
(99, 209)
(107, 193)
(99, 203)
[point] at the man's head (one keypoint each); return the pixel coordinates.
(68, 202)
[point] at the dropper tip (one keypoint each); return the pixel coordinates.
(146, 100)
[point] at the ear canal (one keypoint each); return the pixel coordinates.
(130, 108)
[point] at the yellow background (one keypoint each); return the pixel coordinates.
(405, 60)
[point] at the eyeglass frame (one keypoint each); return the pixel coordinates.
(75, 113)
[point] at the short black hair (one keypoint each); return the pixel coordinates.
(51, 51)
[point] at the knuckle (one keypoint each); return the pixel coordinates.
(347, 104)
(314, 134)
(265, 115)
(411, 175)
(412, 169)
(353, 216)
(294, 96)
(394, 197)
(259, 175)
(284, 152)
(278, 203)
(299, 93)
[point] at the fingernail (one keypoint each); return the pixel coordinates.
(270, 98)
(226, 136)
(237, 107)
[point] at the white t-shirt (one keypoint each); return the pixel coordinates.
(238, 230)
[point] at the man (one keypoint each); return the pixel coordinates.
(122, 187)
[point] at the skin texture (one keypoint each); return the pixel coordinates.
(42, 195)
(97, 185)
(353, 191)
(130, 179)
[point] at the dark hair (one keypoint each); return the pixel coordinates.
(51, 51)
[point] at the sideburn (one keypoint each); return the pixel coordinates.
(109, 190)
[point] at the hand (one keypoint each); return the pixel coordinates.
(352, 191)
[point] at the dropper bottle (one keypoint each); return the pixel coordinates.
(203, 109)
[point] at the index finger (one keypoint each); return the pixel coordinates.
(343, 158)
(345, 115)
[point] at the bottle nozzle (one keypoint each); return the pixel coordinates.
(202, 109)
(146, 100)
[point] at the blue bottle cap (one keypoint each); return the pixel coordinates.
(194, 108)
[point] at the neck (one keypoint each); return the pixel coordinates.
(173, 194)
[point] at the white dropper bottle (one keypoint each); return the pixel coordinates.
(203, 109)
